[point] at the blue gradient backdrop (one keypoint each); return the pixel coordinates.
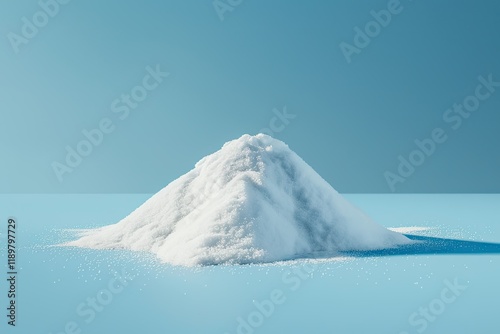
(352, 121)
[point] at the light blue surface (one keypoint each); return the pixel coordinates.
(353, 120)
(363, 295)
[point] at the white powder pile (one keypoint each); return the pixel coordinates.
(253, 201)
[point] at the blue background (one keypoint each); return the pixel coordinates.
(353, 119)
